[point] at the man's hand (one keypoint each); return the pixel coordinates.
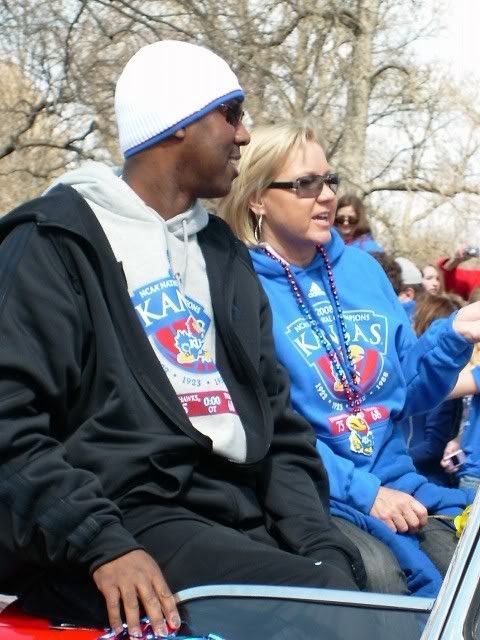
(135, 579)
(399, 511)
(467, 322)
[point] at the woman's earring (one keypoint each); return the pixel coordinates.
(257, 232)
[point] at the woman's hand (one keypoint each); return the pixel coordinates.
(399, 510)
(467, 322)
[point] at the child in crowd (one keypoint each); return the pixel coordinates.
(432, 279)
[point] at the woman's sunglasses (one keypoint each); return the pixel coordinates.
(309, 186)
(346, 220)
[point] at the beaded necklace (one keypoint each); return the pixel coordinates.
(347, 375)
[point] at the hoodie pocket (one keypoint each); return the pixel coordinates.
(172, 473)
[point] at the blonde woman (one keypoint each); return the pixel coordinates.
(355, 365)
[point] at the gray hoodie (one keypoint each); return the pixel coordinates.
(168, 285)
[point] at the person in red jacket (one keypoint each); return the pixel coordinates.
(457, 279)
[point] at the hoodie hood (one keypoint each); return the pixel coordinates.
(166, 277)
(103, 187)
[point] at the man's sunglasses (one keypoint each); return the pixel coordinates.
(346, 220)
(309, 186)
(232, 111)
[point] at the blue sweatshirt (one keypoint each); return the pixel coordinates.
(367, 243)
(471, 434)
(400, 375)
(427, 436)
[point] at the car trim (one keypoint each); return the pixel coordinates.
(450, 611)
(327, 596)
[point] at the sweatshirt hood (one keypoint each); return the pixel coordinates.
(265, 266)
(103, 186)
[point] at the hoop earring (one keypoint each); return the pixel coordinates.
(257, 232)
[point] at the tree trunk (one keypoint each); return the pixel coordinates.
(351, 152)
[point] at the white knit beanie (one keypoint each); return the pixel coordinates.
(411, 274)
(168, 85)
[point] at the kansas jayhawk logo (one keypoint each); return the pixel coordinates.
(367, 367)
(176, 323)
(361, 436)
(190, 341)
(366, 332)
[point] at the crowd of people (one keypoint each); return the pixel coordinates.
(257, 396)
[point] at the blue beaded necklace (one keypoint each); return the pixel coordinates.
(347, 375)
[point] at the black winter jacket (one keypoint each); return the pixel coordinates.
(90, 426)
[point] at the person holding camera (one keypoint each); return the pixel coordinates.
(458, 279)
(427, 434)
(461, 457)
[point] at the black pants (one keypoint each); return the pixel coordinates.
(190, 553)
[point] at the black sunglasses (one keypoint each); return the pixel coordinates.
(346, 219)
(232, 111)
(309, 186)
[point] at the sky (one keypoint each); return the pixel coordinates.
(456, 47)
(459, 45)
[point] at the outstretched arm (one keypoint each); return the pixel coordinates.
(431, 364)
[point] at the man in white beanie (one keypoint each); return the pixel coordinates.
(146, 436)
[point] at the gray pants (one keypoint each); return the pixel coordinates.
(469, 482)
(384, 575)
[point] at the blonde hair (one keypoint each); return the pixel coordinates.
(270, 145)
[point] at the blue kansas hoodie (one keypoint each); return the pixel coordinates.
(400, 375)
(471, 434)
(367, 243)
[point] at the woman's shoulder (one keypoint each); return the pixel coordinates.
(367, 243)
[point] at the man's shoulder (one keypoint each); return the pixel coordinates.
(220, 229)
(218, 225)
(58, 207)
